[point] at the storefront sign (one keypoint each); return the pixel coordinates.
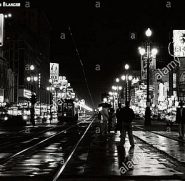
(27, 93)
(24, 93)
(179, 43)
(1, 95)
(143, 67)
(54, 71)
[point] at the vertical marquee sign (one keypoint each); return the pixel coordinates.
(179, 53)
(179, 43)
(54, 71)
(1, 29)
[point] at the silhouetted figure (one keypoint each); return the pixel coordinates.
(111, 120)
(180, 118)
(147, 116)
(127, 115)
(118, 116)
(32, 116)
(105, 117)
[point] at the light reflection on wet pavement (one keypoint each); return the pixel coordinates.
(109, 158)
(172, 147)
(43, 161)
(98, 156)
(106, 158)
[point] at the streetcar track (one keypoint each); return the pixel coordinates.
(39, 144)
(60, 170)
(28, 135)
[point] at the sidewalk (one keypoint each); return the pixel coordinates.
(106, 158)
(173, 148)
(160, 128)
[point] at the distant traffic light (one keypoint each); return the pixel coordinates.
(33, 99)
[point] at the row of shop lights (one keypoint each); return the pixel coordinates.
(52, 88)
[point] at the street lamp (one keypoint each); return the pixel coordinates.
(50, 89)
(28, 79)
(118, 89)
(127, 66)
(149, 54)
(117, 80)
(148, 32)
(32, 67)
(32, 78)
(126, 78)
(141, 51)
(113, 95)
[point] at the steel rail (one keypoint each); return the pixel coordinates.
(59, 172)
(36, 145)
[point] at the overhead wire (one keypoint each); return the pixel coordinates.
(82, 65)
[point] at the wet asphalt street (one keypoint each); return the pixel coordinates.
(79, 152)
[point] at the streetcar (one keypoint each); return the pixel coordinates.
(67, 111)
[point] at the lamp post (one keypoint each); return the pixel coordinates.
(126, 78)
(50, 89)
(113, 95)
(117, 88)
(149, 54)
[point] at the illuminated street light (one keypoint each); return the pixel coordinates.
(123, 77)
(154, 51)
(130, 77)
(150, 53)
(50, 80)
(32, 67)
(148, 32)
(28, 79)
(9, 15)
(35, 78)
(114, 87)
(120, 87)
(127, 66)
(141, 51)
(117, 79)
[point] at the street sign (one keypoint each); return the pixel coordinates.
(143, 67)
(179, 43)
(54, 71)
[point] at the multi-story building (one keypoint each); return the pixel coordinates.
(26, 42)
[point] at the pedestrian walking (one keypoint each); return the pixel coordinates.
(118, 117)
(127, 115)
(105, 117)
(111, 120)
(180, 118)
(32, 116)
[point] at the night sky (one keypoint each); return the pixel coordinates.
(102, 36)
